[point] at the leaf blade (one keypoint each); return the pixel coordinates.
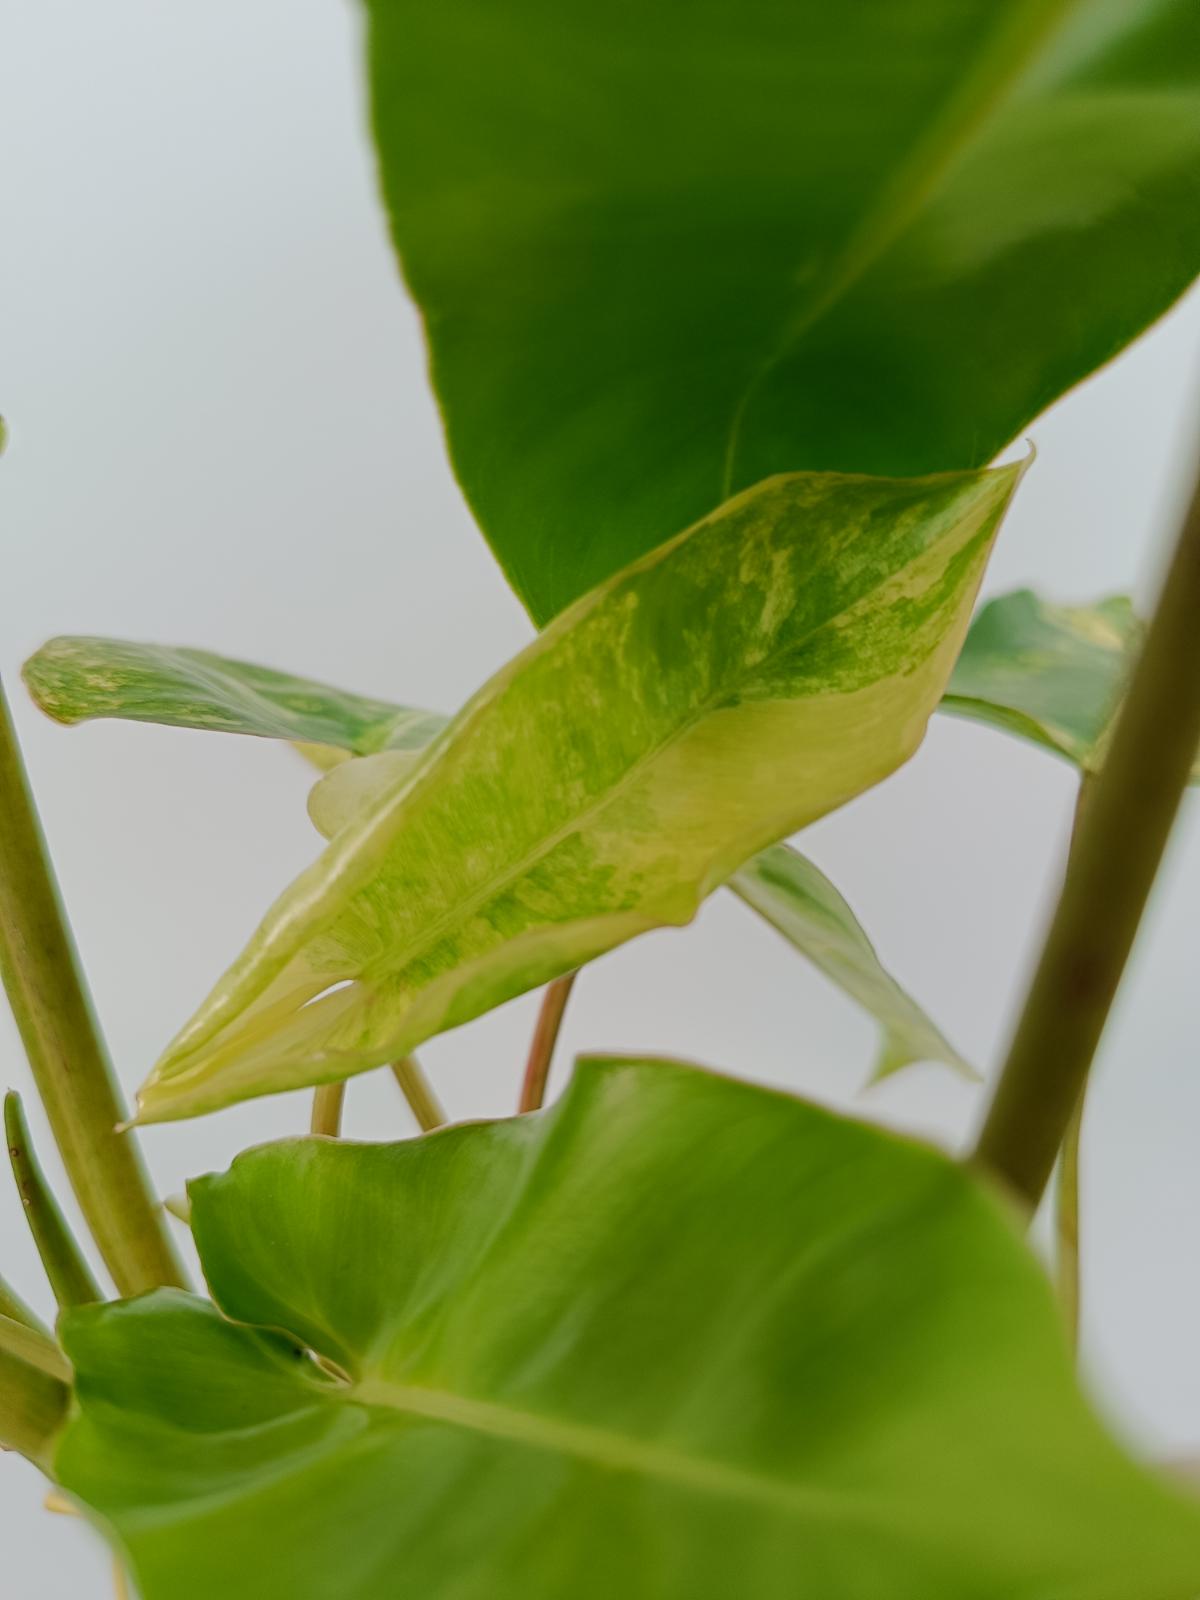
(1052, 674)
(77, 678)
(842, 1374)
(748, 676)
(790, 893)
(787, 240)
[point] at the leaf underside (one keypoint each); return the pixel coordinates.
(1055, 675)
(663, 251)
(798, 900)
(675, 1336)
(753, 673)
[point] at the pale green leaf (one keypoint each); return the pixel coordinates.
(798, 899)
(677, 1338)
(753, 673)
(1052, 674)
(74, 679)
(666, 249)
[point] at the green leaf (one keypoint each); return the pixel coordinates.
(678, 1336)
(753, 673)
(1052, 674)
(663, 251)
(797, 898)
(76, 679)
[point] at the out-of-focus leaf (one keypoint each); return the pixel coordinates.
(663, 250)
(677, 1336)
(753, 673)
(1052, 674)
(797, 898)
(75, 679)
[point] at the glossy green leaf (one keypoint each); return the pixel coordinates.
(797, 898)
(677, 1336)
(664, 250)
(1052, 674)
(753, 673)
(75, 679)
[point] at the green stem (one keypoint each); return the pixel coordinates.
(70, 1066)
(545, 1037)
(327, 1110)
(32, 1406)
(1066, 1224)
(1119, 843)
(38, 1349)
(13, 1307)
(418, 1091)
(66, 1267)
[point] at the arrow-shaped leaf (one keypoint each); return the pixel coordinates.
(752, 674)
(676, 1337)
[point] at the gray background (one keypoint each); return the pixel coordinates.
(222, 436)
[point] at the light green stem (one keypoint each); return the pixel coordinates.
(38, 1349)
(32, 1407)
(70, 1066)
(327, 1109)
(1119, 842)
(418, 1091)
(66, 1267)
(13, 1307)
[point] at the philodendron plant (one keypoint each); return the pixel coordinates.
(730, 310)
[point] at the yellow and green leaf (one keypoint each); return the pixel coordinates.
(750, 675)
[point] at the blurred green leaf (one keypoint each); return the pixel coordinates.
(796, 898)
(1054, 675)
(677, 1336)
(753, 673)
(663, 251)
(74, 679)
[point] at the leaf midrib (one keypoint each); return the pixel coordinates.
(898, 202)
(604, 1449)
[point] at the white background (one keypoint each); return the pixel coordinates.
(222, 436)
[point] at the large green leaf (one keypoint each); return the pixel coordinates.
(753, 673)
(73, 679)
(795, 897)
(1053, 674)
(664, 250)
(675, 1337)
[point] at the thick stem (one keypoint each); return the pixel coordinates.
(418, 1091)
(1066, 1224)
(13, 1307)
(70, 1066)
(545, 1037)
(32, 1406)
(327, 1110)
(38, 1349)
(1119, 843)
(1066, 1195)
(65, 1264)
